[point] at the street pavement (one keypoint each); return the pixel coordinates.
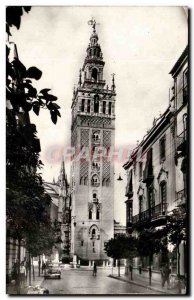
(81, 281)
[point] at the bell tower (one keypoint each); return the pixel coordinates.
(92, 171)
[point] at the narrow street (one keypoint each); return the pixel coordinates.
(81, 281)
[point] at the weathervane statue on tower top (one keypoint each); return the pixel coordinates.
(93, 23)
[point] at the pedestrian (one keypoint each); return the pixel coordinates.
(14, 272)
(22, 274)
(94, 269)
(43, 266)
(165, 272)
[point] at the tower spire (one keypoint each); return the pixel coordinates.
(80, 77)
(113, 82)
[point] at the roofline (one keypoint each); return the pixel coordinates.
(180, 61)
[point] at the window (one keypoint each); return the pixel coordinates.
(94, 250)
(88, 106)
(104, 107)
(109, 108)
(94, 196)
(95, 180)
(83, 105)
(162, 149)
(94, 74)
(96, 104)
(96, 136)
(93, 233)
(97, 214)
(82, 243)
(90, 215)
(140, 170)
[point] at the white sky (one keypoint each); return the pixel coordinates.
(139, 44)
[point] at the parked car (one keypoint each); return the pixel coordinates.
(52, 273)
(32, 290)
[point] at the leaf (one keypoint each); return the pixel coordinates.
(27, 106)
(56, 105)
(53, 116)
(27, 8)
(36, 109)
(45, 91)
(34, 72)
(58, 113)
(49, 97)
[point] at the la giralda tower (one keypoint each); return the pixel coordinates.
(92, 174)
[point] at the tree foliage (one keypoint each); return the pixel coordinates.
(177, 226)
(19, 80)
(121, 247)
(150, 241)
(27, 206)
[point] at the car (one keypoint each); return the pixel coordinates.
(32, 290)
(52, 273)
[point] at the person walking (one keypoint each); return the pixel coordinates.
(94, 269)
(165, 272)
(43, 267)
(22, 274)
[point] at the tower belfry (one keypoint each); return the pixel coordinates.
(92, 176)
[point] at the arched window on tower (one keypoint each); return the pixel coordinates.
(93, 233)
(97, 214)
(96, 104)
(94, 74)
(83, 105)
(88, 106)
(90, 214)
(95, 180)
(104, 107)
(109, 108)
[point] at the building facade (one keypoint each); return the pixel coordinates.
(157, 169)
(92, 172)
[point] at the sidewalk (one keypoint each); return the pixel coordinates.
(12, 289)
(144, 282)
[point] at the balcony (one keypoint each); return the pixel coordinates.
(152, 215)
(180, 198)
(142, 217)
(181, 141)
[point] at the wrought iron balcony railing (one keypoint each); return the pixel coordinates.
(152, 213)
